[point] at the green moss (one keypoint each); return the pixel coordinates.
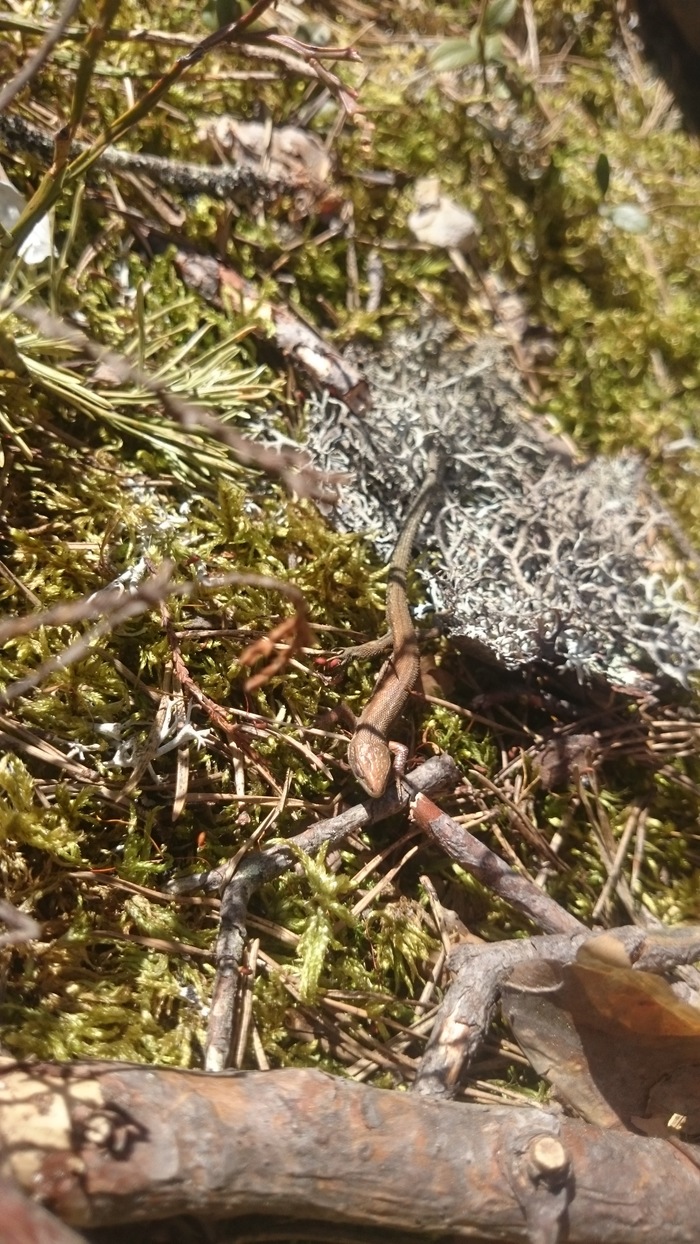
(98, 480)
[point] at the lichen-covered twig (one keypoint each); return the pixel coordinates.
(233, 183)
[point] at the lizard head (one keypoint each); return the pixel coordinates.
(370, 760)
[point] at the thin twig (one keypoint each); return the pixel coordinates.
(32, 66)
(143, 598)
(238, 183)
(258, 868)
(52, 185)
(115, 606)
(488, 868)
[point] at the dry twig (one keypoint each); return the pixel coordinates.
(33, 64)
(467, 1009)
(114, 606)
(239, 882)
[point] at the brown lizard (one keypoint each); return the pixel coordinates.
(369, 752)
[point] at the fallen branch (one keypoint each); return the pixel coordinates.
(234, 183)
(464, 1017)
(105, 1143)
(466, 1012)
(298, 341)
(25, 1222)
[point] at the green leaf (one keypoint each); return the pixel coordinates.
(227, 11)
(454, 54)
(493, 49)
(498, 14)
(602, 173)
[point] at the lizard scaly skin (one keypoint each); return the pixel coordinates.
(369, 753)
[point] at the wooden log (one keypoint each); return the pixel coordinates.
(105, 1143)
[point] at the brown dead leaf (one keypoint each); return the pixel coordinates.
(617, 1044)
(567, 758)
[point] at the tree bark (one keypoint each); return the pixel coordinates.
(110, 1143)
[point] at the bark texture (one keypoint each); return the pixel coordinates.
(101, 1144)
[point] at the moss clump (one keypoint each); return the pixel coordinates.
(587, 191)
